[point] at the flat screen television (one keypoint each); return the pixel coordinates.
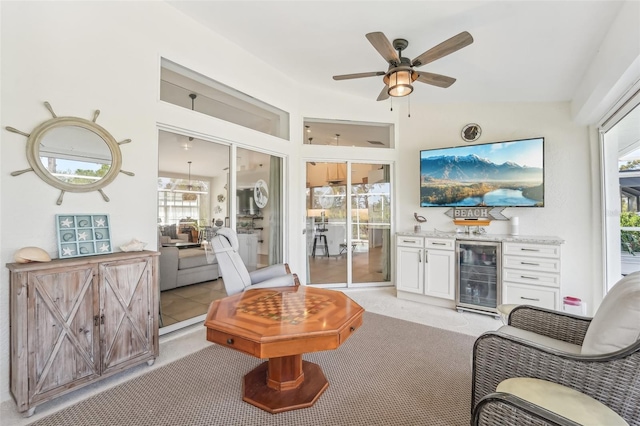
(499, 174)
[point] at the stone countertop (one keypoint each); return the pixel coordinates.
(534, 239)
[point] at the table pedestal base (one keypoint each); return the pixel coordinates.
(270, 386)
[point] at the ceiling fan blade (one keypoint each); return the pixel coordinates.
(358, 75)
(445, 48)
(435, 79)
(384, 94)
(384, 47)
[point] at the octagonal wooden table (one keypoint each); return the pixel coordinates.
(281, 324)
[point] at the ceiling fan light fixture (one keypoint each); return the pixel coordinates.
(399, 82)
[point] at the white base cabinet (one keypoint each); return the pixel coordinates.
(426, 269)
(426, 266)
(531, 274)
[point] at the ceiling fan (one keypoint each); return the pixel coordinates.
(401, 74)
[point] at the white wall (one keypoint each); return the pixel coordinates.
(568, 190)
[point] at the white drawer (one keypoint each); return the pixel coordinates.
(532, 264)
(529, 295)
(531, 277)
(410, 241)
(440, 243)
(531, 250)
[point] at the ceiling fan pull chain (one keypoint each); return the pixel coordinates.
(391, 103)
(409, 99)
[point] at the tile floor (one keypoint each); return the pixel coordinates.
(180, 343)
(189, 301)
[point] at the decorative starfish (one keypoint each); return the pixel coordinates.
(104, 248)
(66, 223)
(82, 236)
(67, 251)
(99, 222)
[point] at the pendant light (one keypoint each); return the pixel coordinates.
(189, 196)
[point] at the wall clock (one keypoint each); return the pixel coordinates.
(471, 132)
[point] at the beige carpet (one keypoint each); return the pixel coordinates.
(390, 372)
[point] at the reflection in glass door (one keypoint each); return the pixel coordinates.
(346, 246)
(326, 227)
(370, 223)
(259, 208)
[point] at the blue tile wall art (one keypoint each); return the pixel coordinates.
(83, 235)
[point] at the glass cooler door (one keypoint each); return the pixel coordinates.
(478, 280)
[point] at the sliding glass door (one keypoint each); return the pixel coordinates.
(259, 205)
(370, 223)
(348, 209)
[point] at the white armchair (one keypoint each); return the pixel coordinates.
(234, 273)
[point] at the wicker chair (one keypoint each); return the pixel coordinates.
(577, 352)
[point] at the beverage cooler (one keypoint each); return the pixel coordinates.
(478, 279)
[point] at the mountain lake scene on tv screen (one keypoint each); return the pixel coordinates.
(504, 174)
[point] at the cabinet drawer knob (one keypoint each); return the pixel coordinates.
(352, 329)
(229, 341)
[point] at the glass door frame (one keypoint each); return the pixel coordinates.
(232, 206)
(349, 225)
(610, 229)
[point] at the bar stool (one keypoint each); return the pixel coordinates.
(320, 237)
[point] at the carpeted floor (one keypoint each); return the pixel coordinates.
(390, 372)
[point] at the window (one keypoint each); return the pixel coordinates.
(188, 89)
(183, 200)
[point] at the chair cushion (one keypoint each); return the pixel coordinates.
(191, 258)
(540, 339)
(616, 324)
(561, 400)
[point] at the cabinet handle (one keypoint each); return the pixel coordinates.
(352, 329)
(409, 241)
(529, 298)
(96, 321)
(102, 319)
(528, 249)
(419, 257)
(439, 244)
(529, 278)
(229, 341)
(530, 263)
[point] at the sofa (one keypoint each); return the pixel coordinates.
(184, 266)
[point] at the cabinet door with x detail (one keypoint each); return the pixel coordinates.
(126, 302)
(64, 344)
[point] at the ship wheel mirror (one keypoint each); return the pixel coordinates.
(73, 154)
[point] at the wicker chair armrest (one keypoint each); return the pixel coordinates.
(509, 410)
(613, 379)
(555, 324)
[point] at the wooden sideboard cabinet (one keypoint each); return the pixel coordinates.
(76, 321)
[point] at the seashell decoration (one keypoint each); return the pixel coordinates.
(133, 245)
(31, 254)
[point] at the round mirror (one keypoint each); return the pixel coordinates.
(73, 154)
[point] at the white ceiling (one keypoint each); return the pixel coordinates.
(523, 51)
